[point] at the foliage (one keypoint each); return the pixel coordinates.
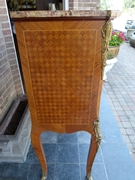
(117, 38)
(129, 4)
(109, 4)
(110, 55)
(106, 4)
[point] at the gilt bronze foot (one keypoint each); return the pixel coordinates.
(89, 177)
(44, 176)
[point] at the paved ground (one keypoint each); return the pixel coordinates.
(120, 91)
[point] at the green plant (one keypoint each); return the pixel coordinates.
(117, 38)
(110, 55)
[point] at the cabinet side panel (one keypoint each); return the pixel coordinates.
(62, 70)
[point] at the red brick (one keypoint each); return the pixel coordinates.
(17, 82)
(2, 3)
(2, 62)
(6, 32)
(9, 83)
(1, 55)
(6, 101)
(4, 53)
(14, 67)
(2, 47)
(3, 11)
(7, 72)
(1, 100)
(19, 91)
(1, 40)
(12, 62)
(10, 50)
(6, 93)
(80, 4)
(89, 4)
(10, 44)
(15, 78)
(3, 18)
(8, 38)
(15, 72)
(84, 0)
(11, 56)
(2, 90)
(96, 1)
(5, 25)
(71, 1)
(17, 87)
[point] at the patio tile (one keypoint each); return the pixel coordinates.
(10, 179)
(2, 168)
(126, 139)
(120, 112)
(126, 124)
(67, 138)
(98, 172)
(50, 153)
(132, 138)
(120, 124)
(123, 170)
(83, 154)
(112, 132)
(118, 108)
(129, 131)
(123, 131)
(131, 118)
(16, 170)
(31, 156)
(67, 172)
(49, 137)
(112, 151)
(132, 123)
(84, 137)
(67, 153)
(36, 172)
(124, 118)
(130, 113)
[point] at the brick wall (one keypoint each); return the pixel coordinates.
(84, 4)
(10, 82)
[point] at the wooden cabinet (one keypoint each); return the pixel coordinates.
(63, 59)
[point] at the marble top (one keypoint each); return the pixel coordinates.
(70, 13)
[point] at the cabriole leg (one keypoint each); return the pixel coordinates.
(37, 145)
(44, 176)
(95, 143)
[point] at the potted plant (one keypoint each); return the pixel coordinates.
(117, 38)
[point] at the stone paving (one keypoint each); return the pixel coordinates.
(120, 91)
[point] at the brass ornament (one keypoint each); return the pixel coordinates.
(44, 176)
(97, 131)
(106, 35)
